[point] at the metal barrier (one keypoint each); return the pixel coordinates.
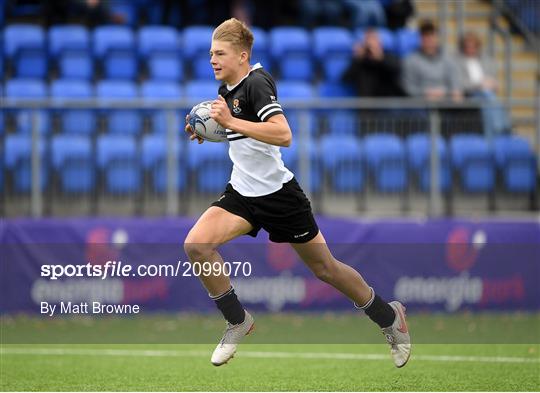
(351, 156)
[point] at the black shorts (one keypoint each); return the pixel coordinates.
(285, 214)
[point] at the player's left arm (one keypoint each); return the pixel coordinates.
(274, 131)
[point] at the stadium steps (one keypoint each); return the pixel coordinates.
(524, 62)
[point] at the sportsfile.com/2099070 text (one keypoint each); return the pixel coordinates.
(121, 269)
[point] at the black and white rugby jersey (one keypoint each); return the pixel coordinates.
(257, 166)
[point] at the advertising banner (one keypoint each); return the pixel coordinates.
(441, 265)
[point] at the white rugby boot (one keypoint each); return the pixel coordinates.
(226, 348)
(397, 335)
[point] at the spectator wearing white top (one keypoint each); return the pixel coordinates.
(478, 74)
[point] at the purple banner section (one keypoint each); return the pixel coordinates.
(436, 265)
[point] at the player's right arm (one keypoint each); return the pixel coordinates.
(272, 127)
(274, 131)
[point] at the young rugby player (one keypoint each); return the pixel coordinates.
(263, 193)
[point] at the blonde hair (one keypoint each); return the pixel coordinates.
(470, 36)
(236, 32)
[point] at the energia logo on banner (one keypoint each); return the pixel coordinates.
(463, 249)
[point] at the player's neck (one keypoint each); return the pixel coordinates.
(241, 74)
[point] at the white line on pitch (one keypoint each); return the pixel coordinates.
(259, 354)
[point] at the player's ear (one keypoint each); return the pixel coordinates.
(243, 57)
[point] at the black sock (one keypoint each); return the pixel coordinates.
(379, 311)
(230, 307)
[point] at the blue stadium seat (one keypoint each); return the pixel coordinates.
(112, 37)
(166, 66)
(25, 46)
(27, 89)
(121, 64)
(120, 121)
(75, 64)
(1, 56)
(386, 161)
(117, 158)
(159, 39)
(22, 36)
(290, 48)
(114, 46)
(31, 63)
(333, 89)
(201, 89)
(473, 161)
(516, 161)
(18, 161)
(160, 90)
(72, 158)
(202, 69)
(342, 161)
(343, 122)
(2, 175)
(154, 161)
(291, 156)
(296, 90)
(333, 49)
(2, 117)
(74, 121)
(407, 41)
(210, 164)
(260, 52)
(386, 36)
(70, 45)
(68, 38)
(419, 156)
(159, 45)
(197, 42)
(152, 91)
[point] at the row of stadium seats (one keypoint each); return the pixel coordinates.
(130, 121)
(292, 52)
(348, 163)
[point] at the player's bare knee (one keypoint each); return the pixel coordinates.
(197, 250)
(325, 271)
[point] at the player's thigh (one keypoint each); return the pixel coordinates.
(314, 252)
(217, 226)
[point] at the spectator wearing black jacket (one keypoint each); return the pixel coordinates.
(374, 72)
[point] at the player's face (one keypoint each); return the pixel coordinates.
(226, 61)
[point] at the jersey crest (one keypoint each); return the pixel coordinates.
(236, 106)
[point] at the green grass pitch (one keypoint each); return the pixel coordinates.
(267, 366)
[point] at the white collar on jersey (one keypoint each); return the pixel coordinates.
(253, 68)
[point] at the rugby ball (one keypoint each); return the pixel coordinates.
(203, 125)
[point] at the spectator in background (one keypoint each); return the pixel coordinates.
(364, 13)
(322, 13)
(478, 75)
(90, 12)
(182, 13)
(397, 13)
(373, 72)
(269, 14)
(429, 72)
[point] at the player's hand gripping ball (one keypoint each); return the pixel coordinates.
(203, 125)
